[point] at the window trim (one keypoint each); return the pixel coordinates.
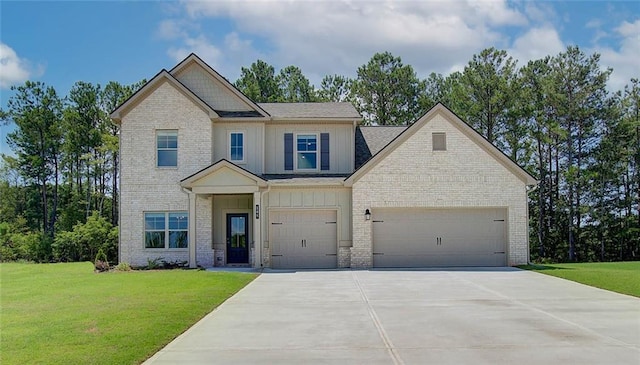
(167, 231)
(244, 147)
(295, 150)
(158, 131)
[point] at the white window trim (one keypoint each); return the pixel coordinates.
(166, 231)
(244, 147)
(166, 149)
(295, 150)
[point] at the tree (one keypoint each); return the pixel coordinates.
(258, 83)
(334, 88)
(438, 88)
(294, 86)
(484, 92)
(111, 96)
(577, 96)
(386, 91)
(36, 111)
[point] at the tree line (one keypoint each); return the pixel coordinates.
(554, 116)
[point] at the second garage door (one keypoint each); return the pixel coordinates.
(439, 237)
(303, 239)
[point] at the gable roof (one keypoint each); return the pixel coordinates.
(194, 59)
(189, 181)
(476, 137)
(163, 76)
(370, 140)
(328, 110)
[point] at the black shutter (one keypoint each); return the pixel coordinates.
(288, 151)
(324, 151)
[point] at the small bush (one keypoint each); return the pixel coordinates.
(123, 266)
(101, 263)
(154, 264)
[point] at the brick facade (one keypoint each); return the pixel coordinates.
(145, 187)
(465, 175)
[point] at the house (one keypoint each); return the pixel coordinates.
(210, 177)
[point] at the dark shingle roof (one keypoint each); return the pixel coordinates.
(311, 110)
(238, 114)
(370, 140)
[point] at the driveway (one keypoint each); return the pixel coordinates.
(470, 316)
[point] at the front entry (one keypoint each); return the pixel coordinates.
(238, 238)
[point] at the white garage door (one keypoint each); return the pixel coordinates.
(442, 237)
(303, 239)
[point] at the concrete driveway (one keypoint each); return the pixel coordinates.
(471, 316)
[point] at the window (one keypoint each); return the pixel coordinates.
(167, 146)
(236, 146)
(166, 230)
(307, 151)
(439, 141)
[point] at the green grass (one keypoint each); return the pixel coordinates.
(67, 314)
(621, 277)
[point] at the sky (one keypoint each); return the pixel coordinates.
(62, 42)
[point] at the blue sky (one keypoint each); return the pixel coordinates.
(60, 43)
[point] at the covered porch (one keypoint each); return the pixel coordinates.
(225, 203)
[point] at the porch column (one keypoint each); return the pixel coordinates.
(257, 237)
(192, 230)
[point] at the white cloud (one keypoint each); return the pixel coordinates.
(536, 43)
(170, 29)
(623, 59)
(13, 69)
(199, 45)
(329, 37)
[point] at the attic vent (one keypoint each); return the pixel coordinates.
(439, 141)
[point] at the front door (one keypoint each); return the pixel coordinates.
(238, 238)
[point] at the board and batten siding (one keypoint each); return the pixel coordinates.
(210, 90)
(463, 176)
(253, 137)
(320, 198)
(145, 187)
(341, 137)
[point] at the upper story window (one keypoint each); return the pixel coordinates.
(307, 151)
(166, 230)
(167, 148)
(439, 141)
(308, 154)
(236, 147)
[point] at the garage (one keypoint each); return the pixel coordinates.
(439, 237)
(303, 239)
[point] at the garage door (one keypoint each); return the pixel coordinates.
(442, 237)
(303, 239)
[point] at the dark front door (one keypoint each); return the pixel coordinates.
(237, 238)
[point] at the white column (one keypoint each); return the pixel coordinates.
(192, 230)
(257, 237)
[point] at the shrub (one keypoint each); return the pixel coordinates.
(123, 266)
(86, 239)
(101, 263)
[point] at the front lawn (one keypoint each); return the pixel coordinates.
(621, 277)
(67, 314)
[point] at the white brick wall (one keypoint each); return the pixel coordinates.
(463, 176)
(144, 187)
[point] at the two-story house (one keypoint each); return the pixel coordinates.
(210, 177)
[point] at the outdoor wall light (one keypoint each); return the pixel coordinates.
(367, 214)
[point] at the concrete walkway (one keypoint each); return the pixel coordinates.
(471, 316)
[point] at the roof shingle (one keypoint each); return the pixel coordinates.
(311, 110)
(370, 140)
